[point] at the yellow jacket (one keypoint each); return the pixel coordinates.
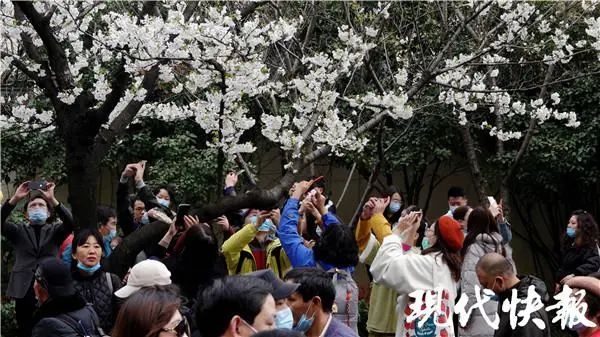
(240, 260)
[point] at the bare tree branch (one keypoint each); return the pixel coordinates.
(530, 129)
(56, 53)
(106, 137)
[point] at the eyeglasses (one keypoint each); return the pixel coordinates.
(182, 328)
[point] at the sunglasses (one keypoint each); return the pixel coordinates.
(182, 328)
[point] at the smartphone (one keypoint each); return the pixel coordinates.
(493, 206)
(182, 210)
(37, 185)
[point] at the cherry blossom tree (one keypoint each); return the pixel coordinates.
(314, 88)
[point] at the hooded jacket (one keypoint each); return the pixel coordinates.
(530, 329)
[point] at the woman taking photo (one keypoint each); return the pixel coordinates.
(434, 273)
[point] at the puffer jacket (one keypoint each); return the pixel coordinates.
(530, 329)
(96, 291)
(484, 243)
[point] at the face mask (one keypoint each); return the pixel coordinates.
(248, 325)
(571, 232)
(284, 319)
(453, 208)
(252, 219)
(267, 226)
(87, 269)
(425, 243)
(494, 297)
(304, 323)
(111, 235)
(145, 219)
(394, 206)
(38, 216)
(163, 202)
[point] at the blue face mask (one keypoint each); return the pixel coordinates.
(394, 206)
(252, 219)
(111, 235)
(571, 232)
(304, 323)
(453, 208)
(494, 297)
(425, 243)
(87, 269)
(163, 202)
(145, 219)
(284, 319)
(38, 216)
(267, 226)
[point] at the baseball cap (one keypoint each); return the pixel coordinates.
(55, 276)
(281, 290)
(145, 274)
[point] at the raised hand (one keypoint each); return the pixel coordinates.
(276, 216)
(20, 194)
(48, 194)
(231, 179)
(189, 221)
(130, 170)
(140, 168)
(380, 204)
(319, 201)
(300, 188)
(223, 222)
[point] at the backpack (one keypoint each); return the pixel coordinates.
(80, 327)
(345, 307)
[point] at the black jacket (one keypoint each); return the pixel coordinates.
(578, 261)
(530, 329)
(95, 290)
(32, 244)
(49, 319)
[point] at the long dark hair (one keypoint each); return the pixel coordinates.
(146, 312)
(588, 232)
(337, 247)
(452, 258)
(481, 221)
(198, 263)
(388, 192)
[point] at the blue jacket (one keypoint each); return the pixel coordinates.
(292, 242)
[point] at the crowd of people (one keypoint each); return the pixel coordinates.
(285, 271)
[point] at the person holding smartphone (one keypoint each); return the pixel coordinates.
(38, 238)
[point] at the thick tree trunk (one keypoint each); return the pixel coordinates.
(82, 171)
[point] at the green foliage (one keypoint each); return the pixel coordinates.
(177, 155)
(32, 154)
(9, 322)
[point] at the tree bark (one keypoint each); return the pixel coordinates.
(82, 172)
(478, 180)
